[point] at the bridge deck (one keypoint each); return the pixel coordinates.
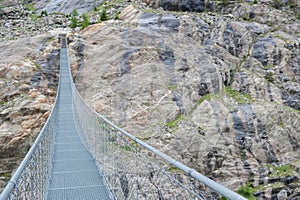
(74, 172)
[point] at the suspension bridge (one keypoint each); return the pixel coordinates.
(79, 154)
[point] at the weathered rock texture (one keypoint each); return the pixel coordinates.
(55, 6)
(218, 92)
(185, 5)
(219, 6)
(66, 6)
(28, 82)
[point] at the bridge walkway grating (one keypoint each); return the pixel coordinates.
(74, 172)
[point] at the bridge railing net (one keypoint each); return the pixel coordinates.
(30, 181)
(131, 171)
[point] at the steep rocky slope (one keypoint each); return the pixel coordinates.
(218, 92)
(29, 62)
(56, 6)
(28, 82)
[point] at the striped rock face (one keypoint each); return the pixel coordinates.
(220, 93)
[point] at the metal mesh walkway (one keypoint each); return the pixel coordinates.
(74, 172)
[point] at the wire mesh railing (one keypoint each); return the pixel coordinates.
(129, 170)
(31, 178)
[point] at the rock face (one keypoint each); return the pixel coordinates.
(223, 6)
(218, 92)
(28, 82)
(66, 6)
(184, 5)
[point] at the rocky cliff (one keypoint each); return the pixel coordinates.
(217, 87)
(28, 81)
(219, 92)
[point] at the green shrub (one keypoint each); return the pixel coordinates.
(103, 16)
(85, 23)
(74, 13)
(74, 22)
(246, 18)
(44, 13)
(298, 16)
(116, 16)
(247, 192)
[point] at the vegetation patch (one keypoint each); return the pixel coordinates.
(30, 7)
(172, 87)
(200, 101)
(74, 13)
(174, 169)
(38, 67)
(51, 39)
(103, 16)
(268, 66)
(34, 17)
(74, 22)
(247, 191)
(270, 77)
(271, 185)
(85, 21)
(135, 145)
(242, 98)
(146, 104)
(126, 147)
(6, 175)
(24, 96)
(44, 13)
(108, 5)
(3, 103)
(246, 18)
(116, 17)
(281, 171)
(292, 3)
(173, 124)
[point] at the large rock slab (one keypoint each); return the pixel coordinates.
(216, 92)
